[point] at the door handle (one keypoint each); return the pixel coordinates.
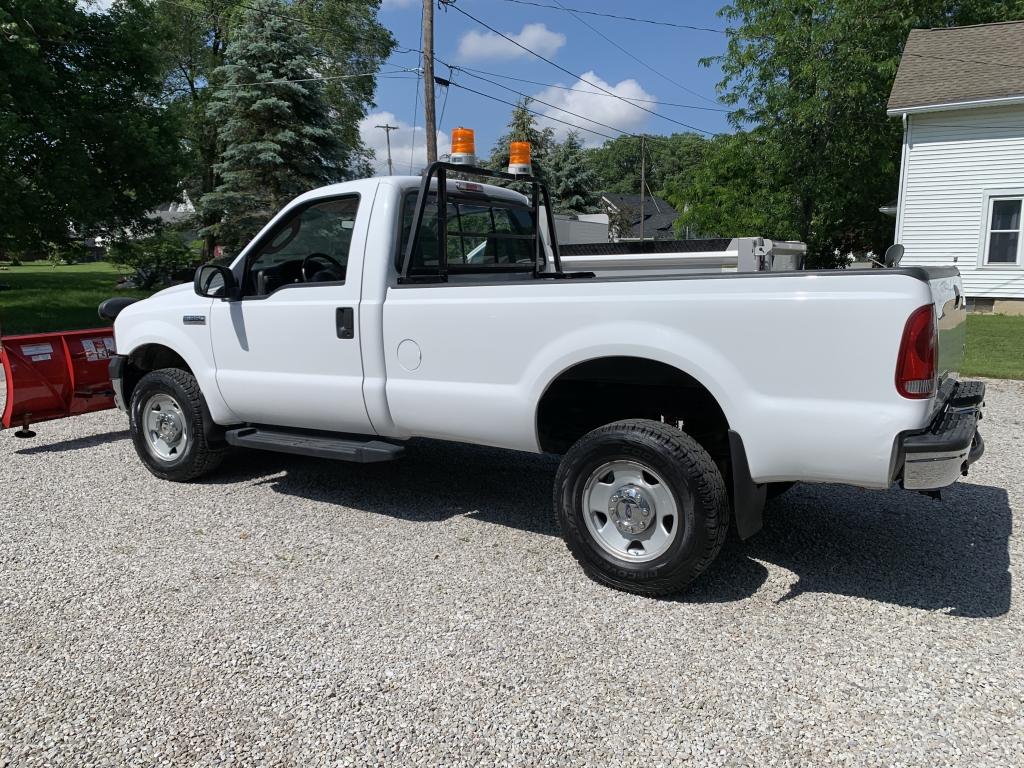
(345, 319)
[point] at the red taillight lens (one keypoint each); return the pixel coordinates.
(916, 364)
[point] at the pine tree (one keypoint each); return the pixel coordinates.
(523, 127)
(277, 137)
(572, 178)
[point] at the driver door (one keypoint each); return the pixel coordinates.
(287, 351)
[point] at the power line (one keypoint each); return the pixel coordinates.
(449, 4)
(533, 112)
(444, 103)
(635, 58)
(561, 7)
(552, 106)
(470, 70)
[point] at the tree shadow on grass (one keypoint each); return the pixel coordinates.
(891, 546)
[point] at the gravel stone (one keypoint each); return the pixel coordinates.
(291, 611)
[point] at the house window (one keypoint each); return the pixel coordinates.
(1004, 232)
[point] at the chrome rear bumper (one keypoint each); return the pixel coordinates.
(935, 457)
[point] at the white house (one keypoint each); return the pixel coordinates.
(960, 94)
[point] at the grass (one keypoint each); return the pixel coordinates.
(995, 347)
(43, 298)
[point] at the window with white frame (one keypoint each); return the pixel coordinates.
(1005, 235)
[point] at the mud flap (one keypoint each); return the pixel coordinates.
(748, 497)
(55, 375)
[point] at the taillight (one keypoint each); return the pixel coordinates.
(916, 364)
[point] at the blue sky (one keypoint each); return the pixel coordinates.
(671, 53)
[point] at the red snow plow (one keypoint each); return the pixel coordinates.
(54, 375)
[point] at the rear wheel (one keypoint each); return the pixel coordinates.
(642, 506)
(170, 426)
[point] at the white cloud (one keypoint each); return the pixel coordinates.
(390, 4)
(599, 107)
(404, 143)
(487, 45)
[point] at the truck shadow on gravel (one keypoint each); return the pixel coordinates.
(76, 443)
(892, 546)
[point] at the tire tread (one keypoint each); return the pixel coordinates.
(706, 483)
(205, 457)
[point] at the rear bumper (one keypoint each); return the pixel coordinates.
(116, 368)
(935, 457)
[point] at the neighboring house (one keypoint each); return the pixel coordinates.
(960, 94)
(659, 217)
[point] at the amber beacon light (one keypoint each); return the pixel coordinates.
(463, 146)
(519, 158)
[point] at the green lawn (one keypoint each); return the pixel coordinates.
(995, 347)
(45, 298)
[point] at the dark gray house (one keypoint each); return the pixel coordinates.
(658, 220)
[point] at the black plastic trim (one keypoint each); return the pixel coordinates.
(324, 445)
(109, 309)
(116, 366)
(748, 497)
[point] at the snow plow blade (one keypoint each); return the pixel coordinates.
(55, 375)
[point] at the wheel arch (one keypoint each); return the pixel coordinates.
(148, 342)
(618, 376)
(599, 390)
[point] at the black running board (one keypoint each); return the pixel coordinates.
(361, 451)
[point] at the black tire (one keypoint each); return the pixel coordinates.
(200, 455)
(690, 474)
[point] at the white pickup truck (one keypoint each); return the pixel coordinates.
(359, 318)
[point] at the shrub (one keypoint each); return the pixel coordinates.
(62, 254)
(153, 259)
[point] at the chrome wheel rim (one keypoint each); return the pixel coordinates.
(630, 512)
(164, 427)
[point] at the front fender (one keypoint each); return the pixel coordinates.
(191, 343)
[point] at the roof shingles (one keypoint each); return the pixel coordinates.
(960, 64)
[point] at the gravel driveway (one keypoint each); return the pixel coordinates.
(299, 612)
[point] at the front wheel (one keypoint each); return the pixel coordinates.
(642, 506)
(170, 426)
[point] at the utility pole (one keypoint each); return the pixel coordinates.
(643, 184)
(430, 123)
(387, 132)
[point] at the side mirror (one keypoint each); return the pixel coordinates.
(893, 255)
(214, 281)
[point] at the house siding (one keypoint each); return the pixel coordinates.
(951, 161)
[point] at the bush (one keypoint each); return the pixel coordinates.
(62, 254)
(153, 259)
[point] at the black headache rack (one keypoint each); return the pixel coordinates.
(538, 194)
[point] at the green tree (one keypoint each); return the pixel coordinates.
(348, 43)
(274, 125)
(85, 145)
(809, 79)
(573, 180)
(670, 159)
